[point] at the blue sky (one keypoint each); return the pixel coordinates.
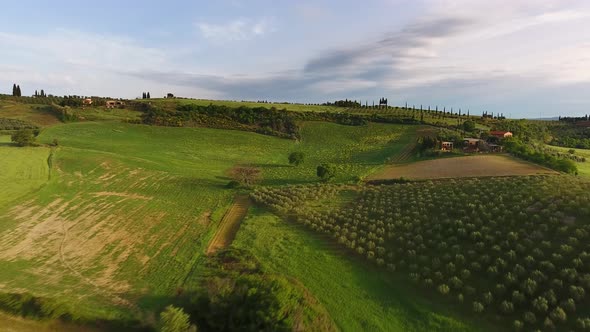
(523, 58)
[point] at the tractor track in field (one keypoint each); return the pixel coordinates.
(100, 290)
(230, 224)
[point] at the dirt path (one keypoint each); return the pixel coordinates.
(230, 224)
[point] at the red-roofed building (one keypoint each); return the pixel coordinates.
(501, 134)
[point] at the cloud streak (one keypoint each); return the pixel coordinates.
(236, 30)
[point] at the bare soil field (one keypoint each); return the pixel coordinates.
(229, 225)
(461, 167)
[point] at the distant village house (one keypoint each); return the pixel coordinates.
(87, 102)
(446, 146)
(501, 134)
(495, 148)
(115, 104)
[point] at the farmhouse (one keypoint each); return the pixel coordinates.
(495, 148)
(87, 102)
(500, 134)
(115, 104)
(473, 144)
(446, 146)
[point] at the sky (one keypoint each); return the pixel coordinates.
(523, 58)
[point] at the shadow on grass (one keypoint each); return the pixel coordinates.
(272, 165)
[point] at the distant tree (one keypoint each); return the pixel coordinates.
(245, 175)
(148, 96)
(558, 315)
(43, 93)
(540, 304)
(469, 126)
(36, 94)
(23, 137)
(143, 96)
(530, 317)
(174, 319)
(326, 172)
(296, 158)
(518, 325)
(18, 92)
(14, 93)
(478, 307)
(444, 289)
(583, 324)
(507, 307)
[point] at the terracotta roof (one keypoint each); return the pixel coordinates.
(498, 133)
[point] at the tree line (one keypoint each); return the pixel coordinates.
(16, 91)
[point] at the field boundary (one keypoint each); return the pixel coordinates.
(229, 225)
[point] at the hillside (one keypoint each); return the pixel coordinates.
(120, 219)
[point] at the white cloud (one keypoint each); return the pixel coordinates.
(239, 29)
(341, 86)
(73, 62)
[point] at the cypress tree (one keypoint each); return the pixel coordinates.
(143, 95)
(148, 95)
(36, 94)
(18, 92)
(14, 90)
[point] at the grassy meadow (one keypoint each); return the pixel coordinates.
(116, 220)
(27, 112)
(23, 169)
(127, 214)
(584, 167)
(358, 296)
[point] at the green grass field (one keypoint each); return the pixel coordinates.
(358, 296)
(23, 169)
(27, 112)
(129, 210)
(583, 168)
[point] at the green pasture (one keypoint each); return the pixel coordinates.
(125, 218)
(23, 170)
(584, 167)
(358, 296)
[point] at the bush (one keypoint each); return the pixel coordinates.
(174, 319)
(326, 172)
(469, 126)
(296, 158)
(23, 137)
(478, 307)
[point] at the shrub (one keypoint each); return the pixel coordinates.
(326, 172)
(558, 315)
(296, 158)
(530, 317)
(23, 137)
(174, 319)
(444, 289)
(478, 307)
